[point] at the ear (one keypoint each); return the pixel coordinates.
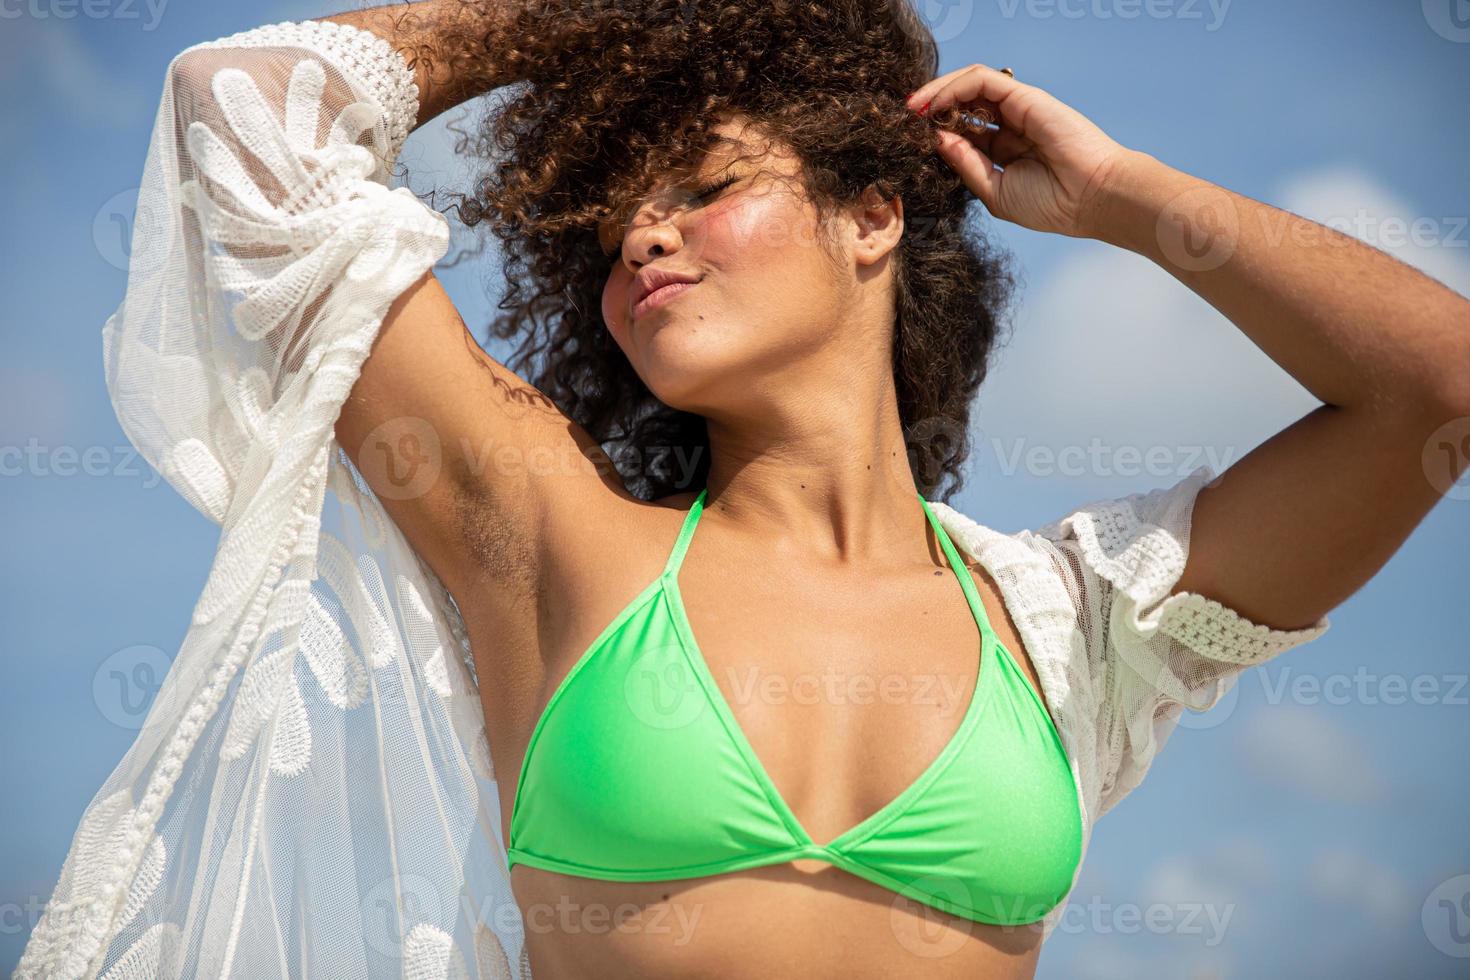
(878, 225)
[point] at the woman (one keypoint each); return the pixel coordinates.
(452, 715)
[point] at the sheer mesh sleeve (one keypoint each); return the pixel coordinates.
(1149, 654)
(312, 792)
(267, 249)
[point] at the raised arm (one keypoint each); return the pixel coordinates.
(1308, 517)
(447, 44)
(445, 435)
(1175, 592)
(1305, 519)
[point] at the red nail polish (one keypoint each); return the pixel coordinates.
(924, 108)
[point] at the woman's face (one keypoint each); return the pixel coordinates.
(768, 299)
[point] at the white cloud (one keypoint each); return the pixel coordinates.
(79, 88)
(1111, 345)
(36, 404)
(1348, 876)
(83, 85)
(1249, 860)
(1353, 202)
(1305, 750)
(1217, 874)
(1105, 961)
(1187, 880)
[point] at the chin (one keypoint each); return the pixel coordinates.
(679, 365)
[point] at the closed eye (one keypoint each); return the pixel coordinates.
(700, 193)
(708, 190)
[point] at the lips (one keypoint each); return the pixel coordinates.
(654, 287)
(660, 296)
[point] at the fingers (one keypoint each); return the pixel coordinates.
(1023, 108)
(1005, 146)
(925, 92)
(974, 167)
(1001, 145)
(965, 84)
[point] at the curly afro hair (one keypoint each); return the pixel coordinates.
(614, 95)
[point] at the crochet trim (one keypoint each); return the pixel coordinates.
(369, 59)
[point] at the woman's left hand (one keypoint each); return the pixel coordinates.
(1058, 164)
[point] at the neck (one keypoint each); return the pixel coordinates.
(817, 484)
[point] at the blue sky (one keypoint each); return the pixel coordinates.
(1317, 825)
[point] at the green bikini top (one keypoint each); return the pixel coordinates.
(637, 771)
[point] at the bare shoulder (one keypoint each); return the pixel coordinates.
(601, 541)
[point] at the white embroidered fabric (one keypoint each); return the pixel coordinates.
(312, 792)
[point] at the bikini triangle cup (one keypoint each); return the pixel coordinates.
(638, 771)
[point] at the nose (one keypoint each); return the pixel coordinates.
(658, 227)
(650, 236)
